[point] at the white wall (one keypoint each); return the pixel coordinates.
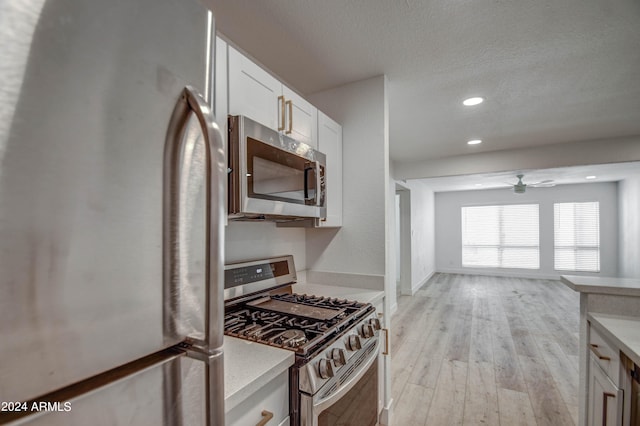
(397, 237)
(422, 218)
(616, 150)
(359, 246)
(254, 240)
(629, 227)
(448, 225)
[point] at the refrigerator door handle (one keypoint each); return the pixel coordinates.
(215, 182)
(208, 348)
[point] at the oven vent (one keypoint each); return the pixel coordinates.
(348, 372)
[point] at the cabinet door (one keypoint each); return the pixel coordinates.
(605, 399)
(253, 92)
(302, 118)
(272, 400)
(330, 143)
(220, 106)
(384, 365)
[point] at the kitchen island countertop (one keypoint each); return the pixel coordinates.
(603, 285)
(623, 331)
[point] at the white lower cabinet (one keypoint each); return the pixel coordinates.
(268, 406)
(605, 399)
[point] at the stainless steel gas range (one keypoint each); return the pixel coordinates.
(336, 342)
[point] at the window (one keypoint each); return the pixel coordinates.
(577, 236)
(505, 236)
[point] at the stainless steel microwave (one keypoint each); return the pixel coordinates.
(272, 176)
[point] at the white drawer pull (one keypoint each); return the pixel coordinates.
(266, 416)
(594, 349)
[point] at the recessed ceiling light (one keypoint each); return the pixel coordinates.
(474, 142)
(473, 101)
(590, 177)
(478, 184)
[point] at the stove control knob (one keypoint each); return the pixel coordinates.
(366, 331)
(339, 357)
(325, 370)
(353, 343)
(375, 323)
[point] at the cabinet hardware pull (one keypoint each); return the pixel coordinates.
(266, 416)
(605, 395)
(380, 314)
(290, 104)
(386, 341)
(594, 349)
(281, 102)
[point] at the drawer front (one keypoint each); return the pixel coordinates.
(285, 422)
(605, 355)
(272, 398)
(605, 399)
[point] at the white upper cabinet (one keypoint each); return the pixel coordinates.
(255, 93)
(220, 104)
(330, 143)
(301, 118)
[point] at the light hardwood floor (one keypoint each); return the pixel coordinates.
(477, 350)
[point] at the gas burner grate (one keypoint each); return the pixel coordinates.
(320, 301)
(301, 323)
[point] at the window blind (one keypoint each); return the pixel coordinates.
(577, 236)
(503, 236)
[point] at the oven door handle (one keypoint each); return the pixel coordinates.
(320, 405)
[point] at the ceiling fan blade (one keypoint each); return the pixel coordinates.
(542, 182)
(543, 185)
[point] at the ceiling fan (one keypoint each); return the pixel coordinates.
(521, 187)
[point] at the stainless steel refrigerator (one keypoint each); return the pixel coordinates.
(111, 206)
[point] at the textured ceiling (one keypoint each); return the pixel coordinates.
(551, 71)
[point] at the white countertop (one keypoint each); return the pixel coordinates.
(248, 366)
(603, 285)
(349, 293)
(624, 332)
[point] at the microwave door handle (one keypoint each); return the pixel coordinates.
(318, 198)
(310, 167)
(315, 167)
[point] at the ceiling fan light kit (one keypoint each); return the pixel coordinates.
(519, 188)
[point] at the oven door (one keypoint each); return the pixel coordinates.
(353, 402)
(272, 174)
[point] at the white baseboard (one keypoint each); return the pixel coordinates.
(386, 414)
(393, 308)
(496, 273)
(418, 286)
